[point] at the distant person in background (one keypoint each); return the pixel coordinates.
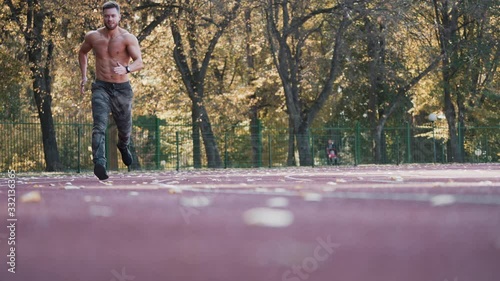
(332, 153)
(113, 48)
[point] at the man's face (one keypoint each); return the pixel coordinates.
(111, 18)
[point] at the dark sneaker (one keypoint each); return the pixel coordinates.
(100, 172)
(126, 156)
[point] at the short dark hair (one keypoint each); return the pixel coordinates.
(111, 5)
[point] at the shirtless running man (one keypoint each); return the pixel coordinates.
(113, 48)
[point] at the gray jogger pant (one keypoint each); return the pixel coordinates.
(115, 98)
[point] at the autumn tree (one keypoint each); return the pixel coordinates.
(36, 22)
(470, 55)
(391, 76)
(293, 27)
(12, 101)
(190, 23)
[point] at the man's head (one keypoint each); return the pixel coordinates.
(111, 14)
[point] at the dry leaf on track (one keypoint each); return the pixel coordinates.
(195, 201)
(268, 217)
(442, 200)
(277, 202)
(31, 197)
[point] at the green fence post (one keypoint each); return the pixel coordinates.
(158, 143)
(357, 144)
(460, 143)
(259, 152)
(225, 150)
(408, 142)
(177, 164)
(79, 132)
(312, 149)
(397, 147)
(443, 145)
(269, 150)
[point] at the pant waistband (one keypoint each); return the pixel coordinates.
(111, 84)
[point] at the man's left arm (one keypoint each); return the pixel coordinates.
(135, 53)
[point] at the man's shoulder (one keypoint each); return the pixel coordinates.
(129, 39)
(93, 34)
(127, 35)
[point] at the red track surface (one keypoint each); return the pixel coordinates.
(401, 223)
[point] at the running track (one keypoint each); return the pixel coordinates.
(400, 223)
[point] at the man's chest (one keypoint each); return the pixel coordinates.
(104, 48)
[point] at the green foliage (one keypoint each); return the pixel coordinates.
(13, 103)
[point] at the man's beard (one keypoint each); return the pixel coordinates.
(110, 26)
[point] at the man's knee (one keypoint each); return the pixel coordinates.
(124, 126)
(99, 127)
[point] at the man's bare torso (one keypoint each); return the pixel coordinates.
(109, 52)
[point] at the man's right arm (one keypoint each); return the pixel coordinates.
(83, 59)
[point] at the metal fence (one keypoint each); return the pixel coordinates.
(157, 145)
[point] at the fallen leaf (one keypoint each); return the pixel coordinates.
(100, 211)
(90, 198)
(328, 189)
(174, 190)
(277, 202)
(396, 178)
(442, 200)
(195, 201)
(31, 197)
(268, 217)
(311, 196)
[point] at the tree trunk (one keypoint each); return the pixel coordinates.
(255, 139)
(450, 113)
(255, 125)
(447, 16)
(195, 131)
(209, 141)
(377, 140)
(40, 71)
(376, 49)
(304, 146)
(290, 160)
(51, 153)
(201, 123)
